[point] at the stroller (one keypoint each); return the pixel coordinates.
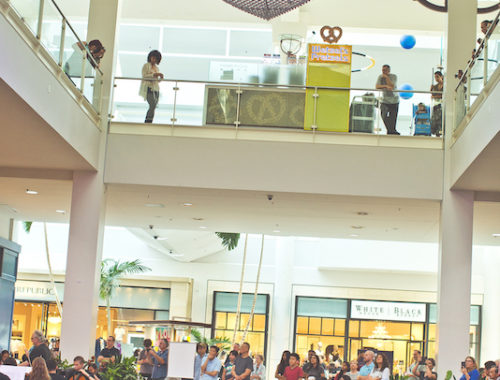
(421, 122)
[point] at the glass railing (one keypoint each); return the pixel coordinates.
(49, 25)
(199, 103)
(478, 72)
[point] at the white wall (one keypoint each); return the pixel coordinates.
(388, 171)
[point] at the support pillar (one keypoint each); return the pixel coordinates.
(78, 330)
(281, 336)
(455, 250)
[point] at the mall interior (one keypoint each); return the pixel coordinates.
(351, 237)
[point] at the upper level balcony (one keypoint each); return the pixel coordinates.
(475, 152)
(51, 113)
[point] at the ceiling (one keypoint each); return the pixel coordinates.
(385, 14)
(248, 211)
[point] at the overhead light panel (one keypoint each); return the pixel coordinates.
(157, 205)
(187, 204)
(31, 192)
(61, 211)
(495, 235)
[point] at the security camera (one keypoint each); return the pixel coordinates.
(155, 237)
(151, 226)
(270, 197)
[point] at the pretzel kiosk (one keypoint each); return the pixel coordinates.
(328, 65)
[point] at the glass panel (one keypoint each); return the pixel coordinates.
(162, 315)
(221, 105)
(431, 350)
(231, 320)
(473, 334)
(354, 328)
(256, 341)
(327, 326)
(220, 320)
(53, 322)
(432, 332)
(493, 50)
(27, 317)
(417, 331)
(244, 320)
(28, 11)
(385, 330)
(315, 326)
(259, 322)
(416, 114)
(189, 103)
(340, 327)
(229, 302)
(432, 313)
(302, 325)
(51, 30)
(322, 307)
(355, 346)
(474, 314)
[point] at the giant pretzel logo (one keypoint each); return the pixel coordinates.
(331, 34)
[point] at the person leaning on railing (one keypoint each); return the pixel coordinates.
(73, 66)
(150, 88)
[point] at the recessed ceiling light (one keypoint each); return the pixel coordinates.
(61, 211)
(159, 205)
(495, 235)
(203, 227)
(276, 231)
(362, 213)
(198, 219)
(357, 227)
(353, 235)
(162, 238)
(31, 192)
(187, 204)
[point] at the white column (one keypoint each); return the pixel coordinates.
(280, 329)
(455, 253)
(87, 210)
(82, 267)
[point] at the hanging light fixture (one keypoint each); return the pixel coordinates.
(266, 9)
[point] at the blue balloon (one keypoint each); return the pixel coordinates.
(407, 41)
(406, 87)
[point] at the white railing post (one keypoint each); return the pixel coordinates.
(61, 45)
(485, 62)
(174, 119)
(82, 76)
(40, 19)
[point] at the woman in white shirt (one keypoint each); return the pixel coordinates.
(150, 89)
(381, 370)
(259, 371)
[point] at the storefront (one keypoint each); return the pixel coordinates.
(224, 317)
(35, 309)
(343, 326)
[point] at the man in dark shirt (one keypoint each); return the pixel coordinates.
(39, 349)
(243, 364)
(110, 353)
(52, 367)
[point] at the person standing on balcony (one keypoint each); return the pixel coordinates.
(150, 88)
(389, 106)
(437, 111)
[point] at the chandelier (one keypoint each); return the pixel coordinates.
(380, 332)
(266, 9)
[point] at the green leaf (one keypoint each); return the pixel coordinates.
(27, 226)
(229, 240)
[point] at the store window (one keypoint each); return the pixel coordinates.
(320, 325)
(224, 315)
(128, 304)
(474, 331)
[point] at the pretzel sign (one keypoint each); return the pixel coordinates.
(331, 34)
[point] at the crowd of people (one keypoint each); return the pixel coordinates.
(212, 364)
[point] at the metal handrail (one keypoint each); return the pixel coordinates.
(293, 86)
(481, 47)
(89, 54)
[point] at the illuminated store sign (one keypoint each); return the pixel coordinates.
(324, 53)
(37, 291)
(389, 311)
